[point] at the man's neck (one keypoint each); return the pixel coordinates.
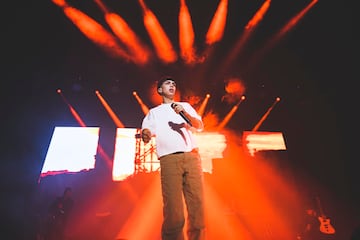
(167, 100)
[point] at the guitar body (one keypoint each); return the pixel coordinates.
(325, 226)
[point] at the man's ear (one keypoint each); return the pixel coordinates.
(159, 90)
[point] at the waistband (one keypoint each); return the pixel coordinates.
(195, 150)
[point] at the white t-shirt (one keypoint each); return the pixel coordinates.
(171, 132)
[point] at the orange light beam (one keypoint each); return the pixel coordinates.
(163, 47)
(266, 114)
(107, 107)
(122, 30)
(72, 110)
(100, 149)
(60, 3)
(259, 15)
(291, 24)
(139, 225)
(249, 29)
(217, 25)
(144, 108)
(230, 114)
(203, 105)
(276, 38)
(215, 31)
(94, 31)
(234, 229)
(105, 156)
(186, 34)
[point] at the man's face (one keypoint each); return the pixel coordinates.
(168, 87)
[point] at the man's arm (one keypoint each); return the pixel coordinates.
(196, 123)
(190, 114)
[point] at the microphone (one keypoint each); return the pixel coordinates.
(182, 114)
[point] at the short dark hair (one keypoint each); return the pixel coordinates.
(163, 79)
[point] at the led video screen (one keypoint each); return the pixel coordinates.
(71, 149)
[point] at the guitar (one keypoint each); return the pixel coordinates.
(325, 225)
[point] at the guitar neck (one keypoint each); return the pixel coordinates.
(320, 207)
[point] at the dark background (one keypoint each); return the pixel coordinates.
(312, 69)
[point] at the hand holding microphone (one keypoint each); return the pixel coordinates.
(179, 109)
